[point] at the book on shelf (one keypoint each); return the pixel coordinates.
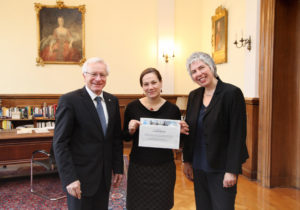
(10, 116)
(28, 112)
(16, 115)
(6, 124)
(38, 116)
(46, 124)
(5, 112)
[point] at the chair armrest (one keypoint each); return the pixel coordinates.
(48, 162)
(40, 152)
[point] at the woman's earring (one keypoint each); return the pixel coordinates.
(161, 90)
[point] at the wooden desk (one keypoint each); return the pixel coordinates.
(18, 148)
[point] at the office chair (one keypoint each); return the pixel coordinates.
(48, 162)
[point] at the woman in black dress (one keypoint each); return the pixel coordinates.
(152, 171)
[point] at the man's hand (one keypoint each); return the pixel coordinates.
(229, 180)
(117, 180)
(74, 189)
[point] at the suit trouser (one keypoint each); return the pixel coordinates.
(99, 201)
(210, 193)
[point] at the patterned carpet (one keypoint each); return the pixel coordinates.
(15, 193)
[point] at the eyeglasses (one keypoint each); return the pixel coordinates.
(95, 75)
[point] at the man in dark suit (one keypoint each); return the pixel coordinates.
(87, 140)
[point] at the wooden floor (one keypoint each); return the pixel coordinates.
(250, 196)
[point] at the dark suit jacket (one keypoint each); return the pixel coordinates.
(81, 150)
(224, 127)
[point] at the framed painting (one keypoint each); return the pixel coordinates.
(60, 34)
(219, 35)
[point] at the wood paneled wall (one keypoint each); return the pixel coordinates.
(19, 100)
(249, 168)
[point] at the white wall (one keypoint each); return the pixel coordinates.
(193, 31)
(126, 34)
(252, 57)
(165, 38)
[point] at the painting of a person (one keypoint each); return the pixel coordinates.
(59, 45)
(220, 35)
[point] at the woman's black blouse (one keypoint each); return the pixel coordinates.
(145, 155)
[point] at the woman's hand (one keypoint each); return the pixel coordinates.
(133, 126)
(229, 179)
(188, 171)
(184, 127)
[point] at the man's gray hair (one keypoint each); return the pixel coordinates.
(205, 58)
(94, 60)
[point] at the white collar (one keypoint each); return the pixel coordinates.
(93, 95)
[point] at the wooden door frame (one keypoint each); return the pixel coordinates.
(267, 23)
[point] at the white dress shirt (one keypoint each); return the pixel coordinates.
(93, 97)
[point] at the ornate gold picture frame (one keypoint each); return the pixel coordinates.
(60, 34)
(219, 35)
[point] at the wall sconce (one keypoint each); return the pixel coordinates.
(166, 49)
(167, 57)
(243, 43)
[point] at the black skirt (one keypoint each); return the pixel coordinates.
(151, 187)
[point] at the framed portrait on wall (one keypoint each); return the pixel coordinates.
(219, 35)
(60, 34)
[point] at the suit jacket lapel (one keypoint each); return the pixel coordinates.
(215, 97)
(197, 101)
(90, 107)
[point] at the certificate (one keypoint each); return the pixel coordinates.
(159, 133)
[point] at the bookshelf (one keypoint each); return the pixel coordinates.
(29, 110)
(7, 124)
(11, 118)
(38, 100)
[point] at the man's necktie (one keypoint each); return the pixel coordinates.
(101, 114)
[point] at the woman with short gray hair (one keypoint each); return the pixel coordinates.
(215, 148)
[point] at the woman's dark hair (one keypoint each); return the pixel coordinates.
(147, 71)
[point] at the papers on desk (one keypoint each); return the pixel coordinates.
(24, 130)
(29, 130)
(159, 133)
(41, 130)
